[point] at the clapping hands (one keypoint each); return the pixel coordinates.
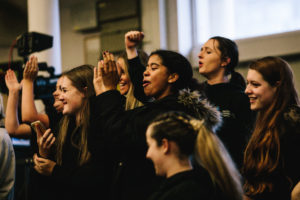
(106, 76)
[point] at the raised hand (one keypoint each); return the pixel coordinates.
(11, 81)
(106, 75)
(31, 69)
(133, 39)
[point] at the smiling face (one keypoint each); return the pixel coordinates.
(155, 153)
(156, 81)
(58, 105)
(259, 91)
(71, 97)
(124, 82)
(210, 63)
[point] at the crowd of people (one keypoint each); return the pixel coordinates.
(142, 127)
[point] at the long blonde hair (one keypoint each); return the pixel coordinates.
(193, 137)
(81, 78)
(131, 101)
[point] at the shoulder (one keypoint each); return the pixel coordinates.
(200, 108)
(192, 184)
(292, 115)
(4, 137)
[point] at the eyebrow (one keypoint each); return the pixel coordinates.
(204, 47)
(151, 64)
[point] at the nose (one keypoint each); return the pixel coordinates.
(146, 72)
(60, 97)
(200, 54)
(147, 154)
(248, 89)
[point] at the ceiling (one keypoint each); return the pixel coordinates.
(13, 20)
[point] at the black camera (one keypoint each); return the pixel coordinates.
(31, 42)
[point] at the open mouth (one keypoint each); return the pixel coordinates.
(146, 83)
(200, 64)
(252, 99)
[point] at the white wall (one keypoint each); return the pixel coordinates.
(72, 43)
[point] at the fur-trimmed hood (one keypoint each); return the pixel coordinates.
(201, 107)
(292, 115)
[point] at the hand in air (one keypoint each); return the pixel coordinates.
(11, 81)
(106, 75)
(133, 39)
(31, 69)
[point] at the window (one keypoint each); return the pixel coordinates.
(239, 19)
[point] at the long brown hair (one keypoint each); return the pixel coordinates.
(262, 154)
(81, 78)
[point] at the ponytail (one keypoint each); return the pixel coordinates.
(211, 154)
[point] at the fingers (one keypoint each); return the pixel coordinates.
(136, 36)
(31, 68)
(47, 140)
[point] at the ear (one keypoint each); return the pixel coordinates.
(225, 62)
(165, 146)
(85, 91)
(173, 78)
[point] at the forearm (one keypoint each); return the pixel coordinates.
(29, 112)
(11, 118)
(131, 52)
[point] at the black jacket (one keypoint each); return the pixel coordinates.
(237, 116)
(188, 185)
(119, 140)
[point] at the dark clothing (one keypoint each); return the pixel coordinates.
(238, 119)
(136, 73)
(287, 174)
(119, 139)
(40, 185)
(69, 180)
(188, 185)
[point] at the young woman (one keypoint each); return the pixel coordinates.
(72, 173)
(172, 139)
(217, 60)
(270, 168)
(127, 87)
(121, 134)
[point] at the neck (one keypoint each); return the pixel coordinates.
(217, 80)
(179, 166)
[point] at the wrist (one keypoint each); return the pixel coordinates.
(27, 81)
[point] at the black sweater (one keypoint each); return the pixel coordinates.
(118, 140)
(238, 119)
(188, 185)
